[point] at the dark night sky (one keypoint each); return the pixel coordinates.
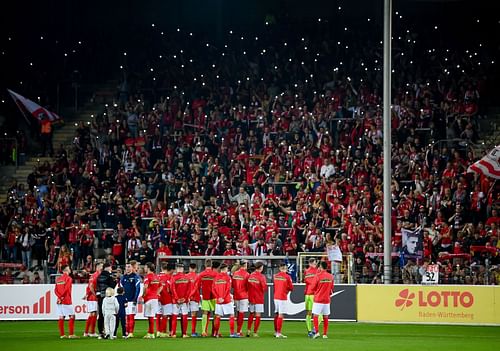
(71, 18)
(107, 28)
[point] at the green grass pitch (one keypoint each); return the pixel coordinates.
(43, 336)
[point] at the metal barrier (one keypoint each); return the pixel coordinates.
(271, 263)
(342, 274)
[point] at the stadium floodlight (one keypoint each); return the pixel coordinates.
(387, 141)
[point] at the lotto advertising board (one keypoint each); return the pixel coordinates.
(447, 304)
(38, 302)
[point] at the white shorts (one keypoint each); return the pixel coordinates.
(321, 308)
(280, 306)
(151, 308)
(224, 309)
(241, 305)
(131, 308)
(65, 310)
(194, 306)
(91, 306)
(256, 308)
(167, 310)
(181, 308)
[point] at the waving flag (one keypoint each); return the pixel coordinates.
(489, 165)
(33, 108)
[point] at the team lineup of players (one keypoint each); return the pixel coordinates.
(173, 293)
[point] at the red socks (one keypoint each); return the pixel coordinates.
(257, 324)
(184, 324)
(132, 323)
(231, 325)
(159, 321)
(217, 325)
(276, 323)
(92, 323)
(194, 319)
(163, 324)
(72, 325)
(241, 316)
(88, 322)
(250, 322)
(173, 328)
(60, 324)
(316, 323)
(128, 323)
(325, 324)
(279, 324)
(151, 326)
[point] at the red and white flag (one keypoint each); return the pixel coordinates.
(489, 165)
(37, 111)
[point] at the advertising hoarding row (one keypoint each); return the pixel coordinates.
(447, 304)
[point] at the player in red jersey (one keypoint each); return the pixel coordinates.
(240, 292)
(165, 300)
(150, 296)
(91, 298)
(282, 287)
(194, 299)
(63, 289)
(323, 289)
(309, 276)
(224, 304)
(181, 292)
(256, 286)
(205, 283)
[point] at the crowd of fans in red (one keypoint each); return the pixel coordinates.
(266, 152)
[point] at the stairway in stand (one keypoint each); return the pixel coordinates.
(64, 135)
(489, 131)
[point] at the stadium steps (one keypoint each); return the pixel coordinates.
(490, 132)
(63, 135)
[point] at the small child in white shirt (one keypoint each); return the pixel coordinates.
(110, 309)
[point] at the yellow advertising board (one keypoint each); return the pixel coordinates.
(450, 304)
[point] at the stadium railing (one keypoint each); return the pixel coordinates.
(271, 263)
(345, 274)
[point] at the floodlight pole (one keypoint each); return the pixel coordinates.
(387, 142)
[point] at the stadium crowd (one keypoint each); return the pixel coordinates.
(269, 150)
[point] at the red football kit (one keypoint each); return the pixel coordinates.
(92, 285)
(282, 286)
(206, 282)
(165, 293)
(239, 283)
(222, 288)
(257, 286)
(151, 287)
(309, 277)
(181, 288)
(195, 293)
(323, 287)
(62, 290)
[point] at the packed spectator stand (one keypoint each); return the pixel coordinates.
(268, 146)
